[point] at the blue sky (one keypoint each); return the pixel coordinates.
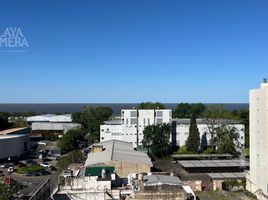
(135, 50)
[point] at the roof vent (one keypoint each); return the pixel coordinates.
(265, 80)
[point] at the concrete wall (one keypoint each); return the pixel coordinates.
(124, 169)
(158, 195)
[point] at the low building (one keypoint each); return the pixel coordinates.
(121, 155)
(51, 122)
(220, 180)
(14, 142)
(158, 187)
(180, 130)
(94, 182)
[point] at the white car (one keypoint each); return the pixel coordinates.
(10, 169)
(45, 164)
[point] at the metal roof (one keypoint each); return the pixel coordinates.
(213, 163)
(97, 170)
(161, 180)
(113, 122)
(12, 130)
(206, 121)
(50, 118)
(115, 150)
(235, 175)
(200, 155)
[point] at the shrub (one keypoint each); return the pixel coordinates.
(30, 169)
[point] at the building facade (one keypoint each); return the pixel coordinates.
(14, 142)
(180, 130)
(257, 178)
(132, 124)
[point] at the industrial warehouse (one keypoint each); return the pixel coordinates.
(14, 142)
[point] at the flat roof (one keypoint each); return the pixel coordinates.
(235, 175)
(161, 180)
(200, 155)
(213, 163)
(12, 130)
(206, 121)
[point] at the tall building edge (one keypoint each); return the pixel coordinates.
(257, 177)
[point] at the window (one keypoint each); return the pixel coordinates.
(102, 130)
(159, 121)
(133, 113)
(126, 121)
(102, 138)
(144, 121)
(133, 121)
(148, 121)
(159, 113)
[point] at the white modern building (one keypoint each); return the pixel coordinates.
(51, 122)
(180, 130)
(257, 179)
(132, 123)
(14, 142)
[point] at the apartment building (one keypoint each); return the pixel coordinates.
(132, 124)
(257, 178)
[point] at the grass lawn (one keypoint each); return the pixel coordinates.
(30, 169)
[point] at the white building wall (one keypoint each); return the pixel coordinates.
(258, 175)
(182, 133)
(51, 126)
(133, 122)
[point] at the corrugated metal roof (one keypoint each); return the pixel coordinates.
(214, 163)
(206, 121)
(113, 122)
(161, 180)
(50, 118)
(235, 175)
(115, 150)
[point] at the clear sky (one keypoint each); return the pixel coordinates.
(210, 51)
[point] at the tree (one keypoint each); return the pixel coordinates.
(91, 119)
(226, 139)
(185, 110)
(4, 123)
(156, 138)
(193, 140)
(204, 142)
(72, 157)
(150, 105)
(71, 139)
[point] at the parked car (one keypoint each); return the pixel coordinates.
(10, 169)
(6, 165)
(45, 164)
(43, 173)
(32, 174)
(31, 162)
